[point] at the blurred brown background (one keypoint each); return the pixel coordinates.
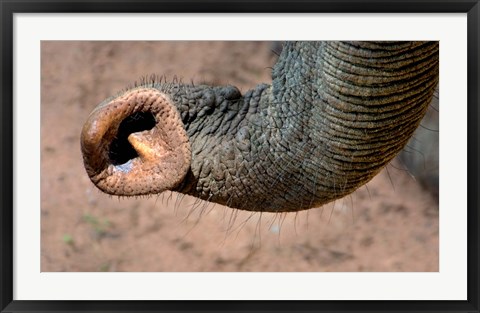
(390, 225)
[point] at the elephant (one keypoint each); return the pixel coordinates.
(335, 114)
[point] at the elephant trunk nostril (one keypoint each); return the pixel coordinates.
(121, 151)
(137, 135)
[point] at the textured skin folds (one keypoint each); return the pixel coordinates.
(335, 115)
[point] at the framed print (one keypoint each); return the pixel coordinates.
(193, 156)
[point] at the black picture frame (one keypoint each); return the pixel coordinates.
(10, 7)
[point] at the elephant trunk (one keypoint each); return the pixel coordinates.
(335, 115)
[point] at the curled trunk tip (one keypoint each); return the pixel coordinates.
(136, 144)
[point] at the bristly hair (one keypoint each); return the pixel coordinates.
(151, 81)
(161, 82)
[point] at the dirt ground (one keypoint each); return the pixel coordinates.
(389, 225)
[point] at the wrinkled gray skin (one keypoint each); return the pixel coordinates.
(335, 115)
